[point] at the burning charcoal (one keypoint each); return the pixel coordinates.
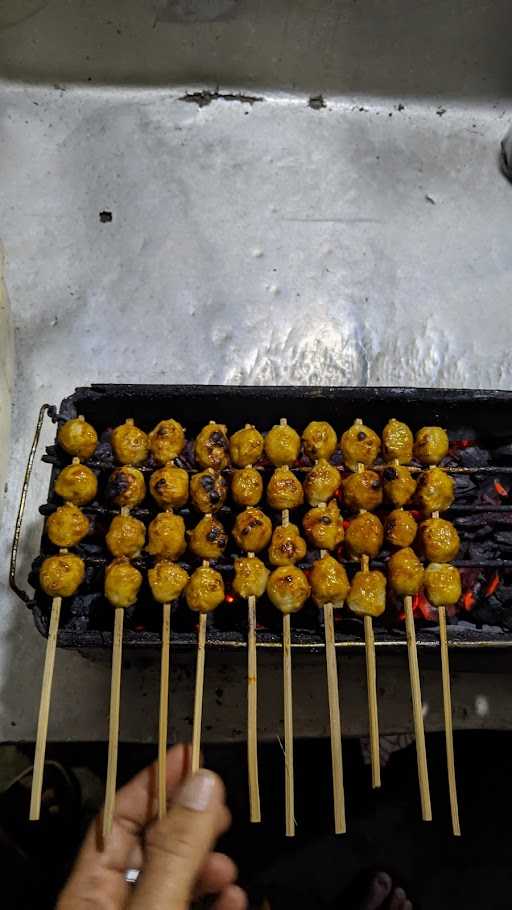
(491, 491)
(482, 550)
(464, 487)
(474, 457)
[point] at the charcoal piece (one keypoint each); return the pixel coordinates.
(503, 454)
(464, 487)
(474, 457)
(504, 538)
(482, 550)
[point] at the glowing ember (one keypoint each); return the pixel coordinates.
(468, 600)
(229, 598)
(500, 489)
(493, 584)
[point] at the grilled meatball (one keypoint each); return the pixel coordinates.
(324, 526)
(329, 582)
(399, 484)
(359, 444)
(322, 482)
(166, 441)
(439, 540)
(367, 595)
(61, 575)
(288, 589)
(126, 536)
(287, 546)
(397, 441)
(247, 486)
(282, 445)
(78, 438)
(362, 491)
(405, 572)
(169, 487)
(208, 539)
(77, 484)
(442, 584)
(435, 490)
(246, 446)
(130, 444)
(319, 440)
(400, 528)
(252, 530)
(431, 445)
(126, 487)
(208, 491)
(251, 576)
(205, 590)
(122, 583)
(167, 581)
(166, 536)
(284, 490)
(212, 447)
(364, 535)
(67, 526)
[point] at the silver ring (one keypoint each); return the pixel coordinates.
(131, 876)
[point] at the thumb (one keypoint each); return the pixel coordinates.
(177, 846)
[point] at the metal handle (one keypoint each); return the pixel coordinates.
(50, 409)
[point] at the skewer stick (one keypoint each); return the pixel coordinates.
(419, 729)
(198, 696)
(252, 713)
(340, 826)
(44, 711)
(164, 711)
(288, 705)
(113, 729)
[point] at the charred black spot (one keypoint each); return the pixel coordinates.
(287, 548)
(118, 483)
(246, 531)
(213, 534)
(219, 439)
(160, 485)
(325, 520)
(163, 431)
(361, 435)
(207, 482)
(375, 484)
(390, 474)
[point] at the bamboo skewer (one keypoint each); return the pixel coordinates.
(338, 788)
(252, 710)
(419, 729)
(113, 729)
(288, 705)
(199, 689)
(164, 711)
(44, 711)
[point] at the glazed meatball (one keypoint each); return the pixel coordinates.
(77, 484)
(321, 482)
(284, 490)
(208, 491)
(399, 484)
(208, 539)
(324, 526)
(247, 486)
(397, 442)
(362, 491)
(246, 446)
(400, 528)
(251, 576)
(405, 572)
(166, 536)
(122, 583)
(129, 444)
(78, 438)
(367, 595)
(169, 487)
(329, 582)
(431, 445)
(252, 530)
(67, 526)
(364, 535)
(282, 445)
(287, 546)
(126, 487)
(442, 584)
(435, 490)
(439, 540)
(359, 444)
(126, 536)
(61, 575)
(205, 590)
(212, 447)
(166, 441)
(319, 440)
(288, 589)
(167, 581)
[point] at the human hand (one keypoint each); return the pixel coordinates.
(175, 855)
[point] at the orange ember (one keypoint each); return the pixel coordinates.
(500, 489)
(468, 600)
(493, 584)
(229, 598)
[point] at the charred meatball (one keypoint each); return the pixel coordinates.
(288, 589)
(166, 536)
(78, 438)
(246, 446)
(252, 530)
(212, 447)
(251, 576)
(324, 526)
(364, 535)
(167, 581)
(67, 526)
(205, 590)
(169, 487)
(397, 442)
(321, 483)
(405, 572)
(61, 575)
(431, 445)
(122, 583)
(367, 595)
(399, 484)
(442, 584)
(319, 440)
(282, 445)
(362, 491)
(126, 536)
(208, 491)
(208, 539)
(126, 487)
(435, 490)
(284, 490)
(287, 546)
(129, 444)
(439, 540)
(400, 528)
(77, 484)
(166, 441)
(359, 444)
(247, 486)
(329, 582)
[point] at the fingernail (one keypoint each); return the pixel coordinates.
(197, 791)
